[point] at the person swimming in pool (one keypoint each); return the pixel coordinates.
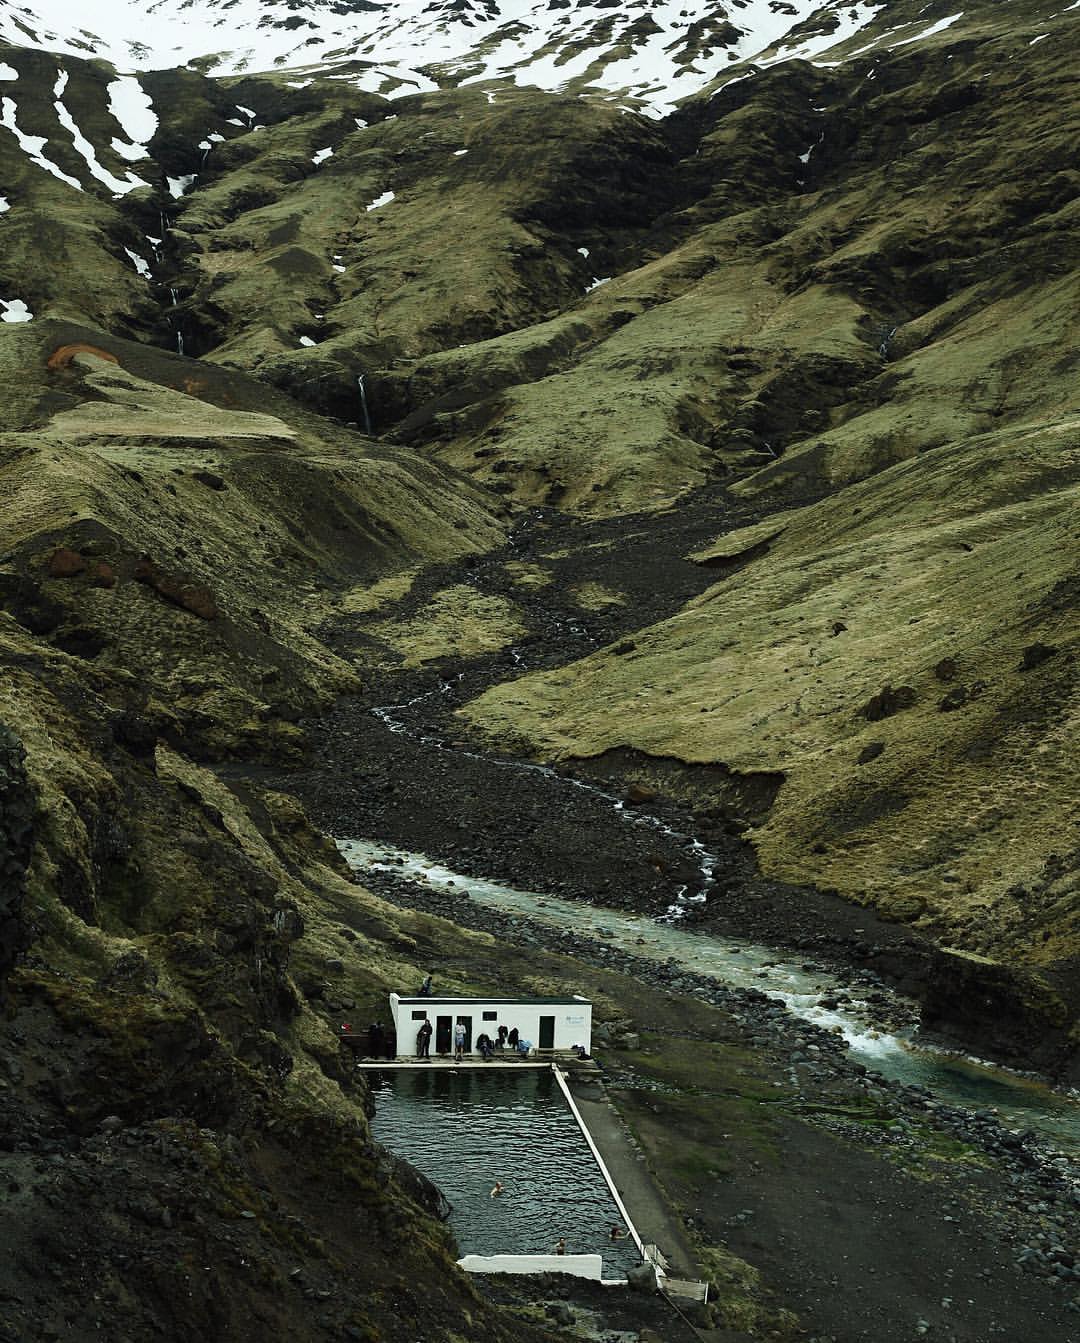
(498, 1189)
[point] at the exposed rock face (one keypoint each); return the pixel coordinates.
(16, 840)
(193, 597)
(1019, 1019)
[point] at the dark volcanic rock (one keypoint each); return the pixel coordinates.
(16, 839)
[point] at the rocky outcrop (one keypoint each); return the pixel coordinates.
(193, 597)
(1002, 1012)
(16, 839)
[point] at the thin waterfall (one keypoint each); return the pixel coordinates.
(364, 406)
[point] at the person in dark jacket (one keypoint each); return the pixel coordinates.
(423, 1041)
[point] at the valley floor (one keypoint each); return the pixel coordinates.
(823, 1203)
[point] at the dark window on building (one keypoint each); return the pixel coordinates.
(419, 1016)
(491, 1016)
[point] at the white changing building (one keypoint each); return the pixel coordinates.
(548, 1024)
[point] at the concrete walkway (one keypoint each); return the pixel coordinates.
(569, 1063)
(446, 1063)
(655, 1222)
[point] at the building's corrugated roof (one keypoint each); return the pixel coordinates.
(499, 1002)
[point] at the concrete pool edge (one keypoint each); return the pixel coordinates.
(608, 1179)
(589, 1266)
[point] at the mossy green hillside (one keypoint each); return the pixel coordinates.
(870, 652)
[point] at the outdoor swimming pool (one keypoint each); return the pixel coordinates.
(467, 1129)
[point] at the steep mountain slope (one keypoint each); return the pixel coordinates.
(164, 1081)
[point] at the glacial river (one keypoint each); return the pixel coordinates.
(1019, 1102)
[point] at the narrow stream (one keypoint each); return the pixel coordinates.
(390, 715)
(957, 1080)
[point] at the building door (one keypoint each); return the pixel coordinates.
(547, 1033)
(467, 1023)
(444, 1035)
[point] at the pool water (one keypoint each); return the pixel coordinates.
(465, 1130)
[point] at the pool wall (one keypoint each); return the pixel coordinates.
(580, 1265)
(561, 1080)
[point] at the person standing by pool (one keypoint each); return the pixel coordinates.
(423, 1040)
(459, 1042)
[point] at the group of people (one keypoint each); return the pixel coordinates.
(504, 1039)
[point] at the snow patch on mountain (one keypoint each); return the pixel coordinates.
(131, 107)
(119, 186)
(938, 27)
(32, 145)
(140, 263)
(650, 53)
